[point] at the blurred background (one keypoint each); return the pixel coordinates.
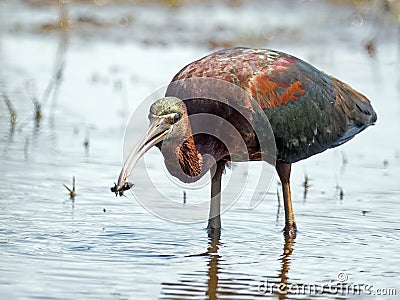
(72, 73)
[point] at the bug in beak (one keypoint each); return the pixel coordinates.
(157, 132)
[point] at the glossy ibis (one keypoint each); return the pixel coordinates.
(308, 110)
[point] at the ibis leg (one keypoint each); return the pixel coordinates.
(214, 220)
(284, 175)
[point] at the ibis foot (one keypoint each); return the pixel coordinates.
(290, 229)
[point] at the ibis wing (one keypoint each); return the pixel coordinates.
(357, 109)
(309, 111)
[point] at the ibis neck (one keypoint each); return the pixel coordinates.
(190, 160)
(194, 158)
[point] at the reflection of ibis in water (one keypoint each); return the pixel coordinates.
(309, 112)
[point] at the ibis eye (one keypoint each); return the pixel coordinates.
(176, 117)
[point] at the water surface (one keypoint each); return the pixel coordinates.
(103, 247)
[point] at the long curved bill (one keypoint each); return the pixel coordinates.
(157, 132)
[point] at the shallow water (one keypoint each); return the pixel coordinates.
(103, 247)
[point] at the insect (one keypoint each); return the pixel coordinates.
(119, 190)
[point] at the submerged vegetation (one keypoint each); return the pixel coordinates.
(71, 191)
(11, 110)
